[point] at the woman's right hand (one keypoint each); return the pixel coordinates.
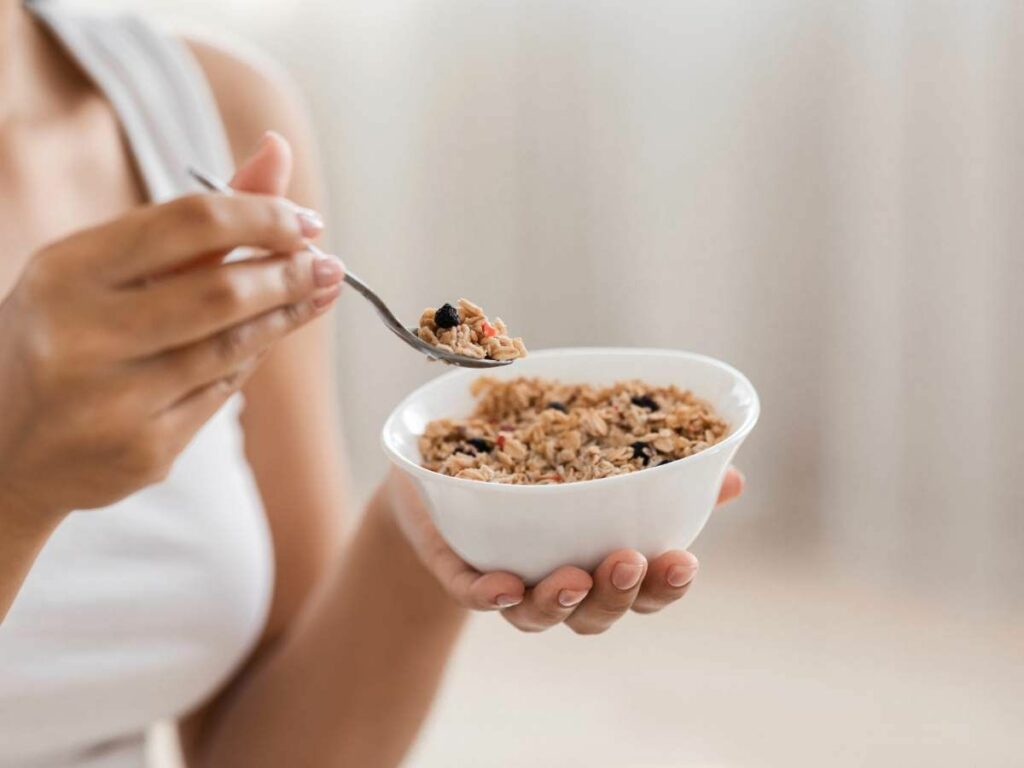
(119, 342)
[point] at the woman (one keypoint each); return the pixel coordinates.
(203, 576)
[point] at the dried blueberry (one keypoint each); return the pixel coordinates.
(558, 407)
(641, 451)
(644, 401)
(480, 444)
(447, 316)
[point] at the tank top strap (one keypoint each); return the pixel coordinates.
(156, 87)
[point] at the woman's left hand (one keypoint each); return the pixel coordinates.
(587, 603)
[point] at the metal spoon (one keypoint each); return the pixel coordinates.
(216, 185)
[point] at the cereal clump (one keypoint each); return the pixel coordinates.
(467, 331)
(529, 431)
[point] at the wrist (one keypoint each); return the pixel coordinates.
(22, 517)
(24, 531)
(406, 559)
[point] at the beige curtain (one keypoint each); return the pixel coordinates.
(827, 195)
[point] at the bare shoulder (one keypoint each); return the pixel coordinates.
(253, 92)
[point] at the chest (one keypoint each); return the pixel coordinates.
(59, 176)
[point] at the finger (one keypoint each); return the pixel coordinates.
(470, 588)
(552, 601)
(192, 305)
(158, 239)
(497, 590)
(185, 417)
(616, 584)
(219, 356)
(268, 170)
(668, 578)
(732, 485)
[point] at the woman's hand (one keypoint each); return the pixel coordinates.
(119, 342)
(587, 603)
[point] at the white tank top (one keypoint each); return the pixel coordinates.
(139, 611)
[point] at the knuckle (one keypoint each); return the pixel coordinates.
(43, 344)
(123, 410)
(279, 218)
(297, 314)
(552, 614)
(193, 220)
(234, 381)
(205, 212)
(224, 292)
(232, 343)
(51, 352)
(294, 275)
(38, 277)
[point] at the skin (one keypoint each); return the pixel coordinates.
(358, 633)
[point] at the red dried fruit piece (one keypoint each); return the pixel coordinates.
(500, 441)
(489, 330)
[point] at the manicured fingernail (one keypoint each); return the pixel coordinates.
(326, 298)
(310, 222)
(507, 601)
(680, 575)
(625, 576)
(268, 135)
(327, 271)
(567, 598)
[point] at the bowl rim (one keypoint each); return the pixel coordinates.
(736, 436)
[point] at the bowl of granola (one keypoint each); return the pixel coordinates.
(569, 454)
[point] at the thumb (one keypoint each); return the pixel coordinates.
(268, 170)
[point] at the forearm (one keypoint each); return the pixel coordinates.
(351, 684)
(22, 535)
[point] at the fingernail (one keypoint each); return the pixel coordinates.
(310, 222)
(261, 143)
(507, 601)
(327, 271)
(680, 575)
(567, 598)
(326, 298)
(268, 135)
(625, 576)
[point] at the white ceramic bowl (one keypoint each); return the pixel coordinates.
(532, 529)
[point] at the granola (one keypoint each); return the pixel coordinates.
(467, 331)
(531, 431)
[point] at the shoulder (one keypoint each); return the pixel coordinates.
(253, 92)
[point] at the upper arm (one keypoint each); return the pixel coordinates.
(290, 421)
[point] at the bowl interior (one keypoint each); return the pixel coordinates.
(448, 396)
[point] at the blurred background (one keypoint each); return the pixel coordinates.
(828, 196)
